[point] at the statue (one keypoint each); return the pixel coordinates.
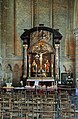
(34, 66)
(47, 65)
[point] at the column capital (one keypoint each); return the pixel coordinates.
(57, 45)
(25, 46)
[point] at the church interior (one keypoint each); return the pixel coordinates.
(38, 59)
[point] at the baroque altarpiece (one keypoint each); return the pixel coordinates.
(41, 54)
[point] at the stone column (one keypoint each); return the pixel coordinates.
(75, 13)
(57, 61)
(7, 27)
(25, 61)
(52, 65)
(76, 53)
(29, 65)
(0, 29)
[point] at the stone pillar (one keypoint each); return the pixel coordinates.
(29, 65)
(10, 27)
(7, 27)
(76, 14)
(25, 61)
(57, 61)
(52, 65)
(0, 29)
(0, 34)
(76, 53)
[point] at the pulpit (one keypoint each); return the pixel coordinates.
(41, 54)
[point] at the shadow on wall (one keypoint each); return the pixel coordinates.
(16, 75)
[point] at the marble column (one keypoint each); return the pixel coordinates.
(57, 61)
(29, 65)
(52, 65)
(76, 53)
(25, 61)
